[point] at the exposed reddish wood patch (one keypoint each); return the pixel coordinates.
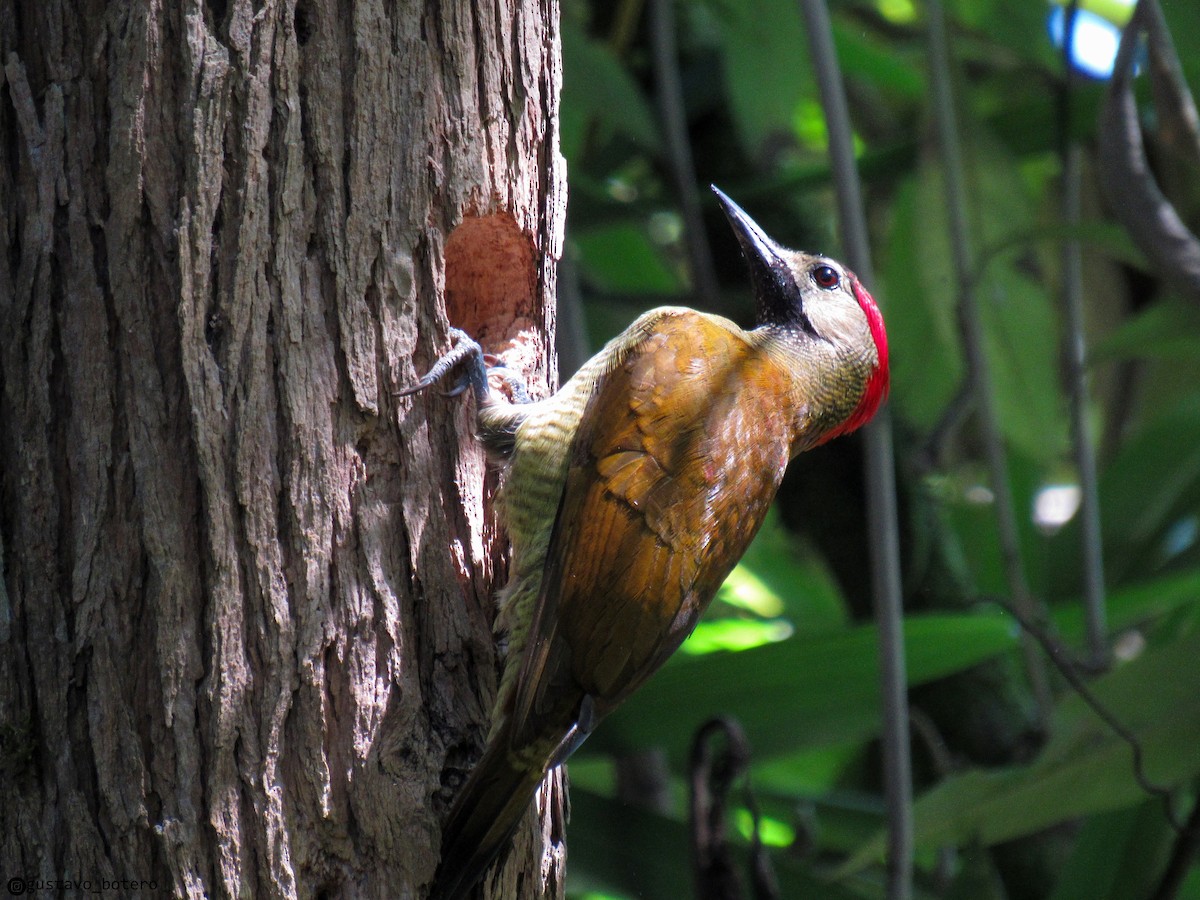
(491, 288)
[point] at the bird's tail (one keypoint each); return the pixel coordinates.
(485, 815)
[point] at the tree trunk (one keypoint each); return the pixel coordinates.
(246, 604)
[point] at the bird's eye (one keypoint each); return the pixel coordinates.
(826, 277)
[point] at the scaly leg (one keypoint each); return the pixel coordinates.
(466, 352)
(584, 725)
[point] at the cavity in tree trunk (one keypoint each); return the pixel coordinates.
(245, 642)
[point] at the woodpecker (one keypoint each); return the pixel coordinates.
(631, 493)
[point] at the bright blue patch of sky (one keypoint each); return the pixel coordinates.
(1094, 50)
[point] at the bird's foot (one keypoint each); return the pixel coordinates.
(518, 390)
(465, 352)
(580, 731)
(478, 368)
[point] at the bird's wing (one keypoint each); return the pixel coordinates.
(678, 455)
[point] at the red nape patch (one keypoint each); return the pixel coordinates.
(879, 380)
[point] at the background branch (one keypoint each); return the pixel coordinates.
(1133, 193)
(971, 324)
(1075, 352)
(679, 151)
(883, 519)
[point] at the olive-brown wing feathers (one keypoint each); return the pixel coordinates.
(672, 470)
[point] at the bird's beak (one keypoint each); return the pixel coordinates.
(775, 290)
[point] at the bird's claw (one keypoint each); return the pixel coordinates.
(479, 367)
(585, 724)
(464, 351)
(517, 389)
(459, 387)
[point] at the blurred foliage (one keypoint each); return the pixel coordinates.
(1005, 808)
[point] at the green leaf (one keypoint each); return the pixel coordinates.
(1133, 604)
(779, 575)
(723, 635)
(599, 91)
(1017, 314)
(807, 772)
(1022, 344)
(803, 692)
(880, 62)
(1117, 12)
(766, 67)
(918, 302)
(1085, 768)
(1153, 481)
(1169, 330)
(973, 522)
(619, 258)
(625, 851)
(1103, 237)
(1011, 29)
(1117, 855)
(1149, 493)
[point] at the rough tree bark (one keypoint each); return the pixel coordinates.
(245, 612)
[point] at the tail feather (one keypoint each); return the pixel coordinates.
(484, 818)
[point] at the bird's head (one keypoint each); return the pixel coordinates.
(821, 306)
